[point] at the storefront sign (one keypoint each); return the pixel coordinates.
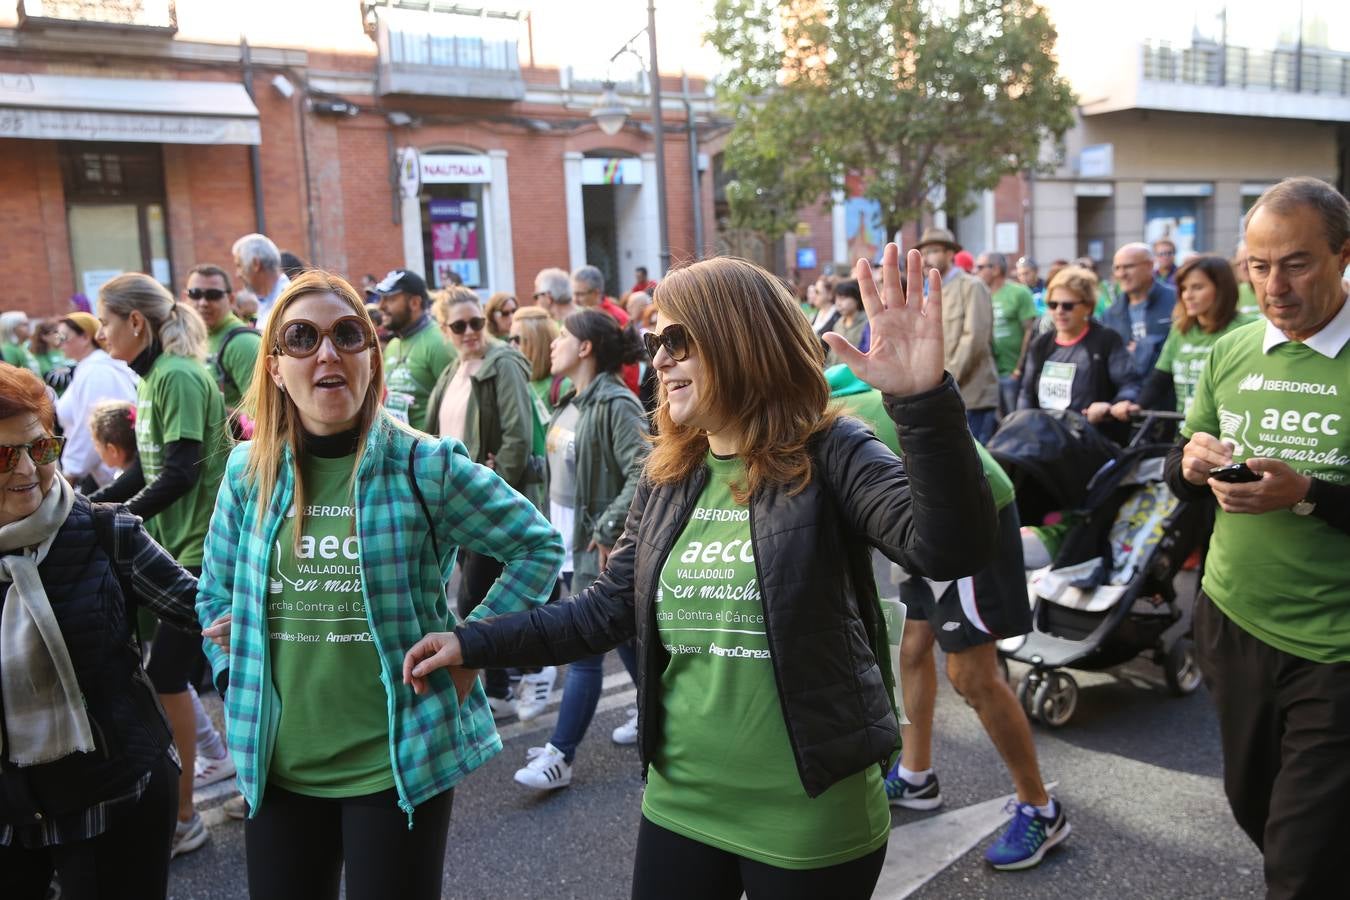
(71, 125)
(1097, 161)
(409, 172)
(454, 242)
(615, 170)
(444, 168)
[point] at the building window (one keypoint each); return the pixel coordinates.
(115, 212)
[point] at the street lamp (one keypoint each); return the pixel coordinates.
(611, 115)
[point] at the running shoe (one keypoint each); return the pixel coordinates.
(188, 836)
(534, 692)
(207, 771)
(924, 795)
(502, 708)
(627, 732)
(236, 808)
(546, 769)
(1028, 836)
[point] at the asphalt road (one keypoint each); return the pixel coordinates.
(1138, 773)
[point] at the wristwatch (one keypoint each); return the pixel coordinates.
(1306, 506)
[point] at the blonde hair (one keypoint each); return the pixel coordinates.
(276, 422)
(1076, 280)
(180, 331)
(537, 332)
(444, 300)
(764, 370)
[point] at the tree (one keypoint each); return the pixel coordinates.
(912, 94)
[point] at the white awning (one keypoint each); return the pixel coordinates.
(53, 107)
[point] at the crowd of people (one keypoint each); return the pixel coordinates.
(267, 486)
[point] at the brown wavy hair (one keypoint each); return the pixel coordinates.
(763, 371)
(276, 422)
(1220, 273)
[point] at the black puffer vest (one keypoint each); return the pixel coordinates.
(131, 731)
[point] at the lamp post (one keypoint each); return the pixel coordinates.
(610, 115)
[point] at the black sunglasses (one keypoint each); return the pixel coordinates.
(43, 451)
(514, 339)
(459, 327)
(211, 294)
(675, 339)
(301, 337)
(1053, 305)
(505, 312)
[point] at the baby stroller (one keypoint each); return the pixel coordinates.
(1107, 596)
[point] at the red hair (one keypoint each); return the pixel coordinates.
(23, 392)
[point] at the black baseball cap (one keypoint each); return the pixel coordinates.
(402, 281)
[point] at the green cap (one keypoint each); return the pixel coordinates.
(844, 383)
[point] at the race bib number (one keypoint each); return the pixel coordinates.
(1056, 385)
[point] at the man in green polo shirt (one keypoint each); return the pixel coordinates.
(1272, 619)
(232, 346)
(417, 354)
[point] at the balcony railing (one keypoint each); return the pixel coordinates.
(448, 54)
(1313, 71)
(154, 16)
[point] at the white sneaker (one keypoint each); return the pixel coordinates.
(627, 732)
(207, 771)
(188, 836)
(236, 808)
(534, 693)
(502, 708)
(546, 769)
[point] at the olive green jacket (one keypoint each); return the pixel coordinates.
(499, 420)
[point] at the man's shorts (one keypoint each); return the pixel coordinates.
(988, 606)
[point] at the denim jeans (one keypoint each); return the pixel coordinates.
(1008, 389)
(581, 694)
(982, 423)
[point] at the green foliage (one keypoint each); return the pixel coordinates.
(910, 94)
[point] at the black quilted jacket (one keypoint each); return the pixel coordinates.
(933, 514)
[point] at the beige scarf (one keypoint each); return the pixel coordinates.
(45, 719)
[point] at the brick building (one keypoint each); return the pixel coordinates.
(405, 133)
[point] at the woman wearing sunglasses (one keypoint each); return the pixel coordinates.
(499, 310)
(765, 701)
(597, 440)
(1081, 365)
(334, 534)
(484, 400)
(181, 443)
(88, 786)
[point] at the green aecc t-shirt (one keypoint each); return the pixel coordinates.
(724, 774)
(1280, 576)
(333, 737)
(178, 400)
(411, 367)
(1013, 306)
(1184, 354)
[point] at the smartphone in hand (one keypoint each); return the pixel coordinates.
(1237, 473)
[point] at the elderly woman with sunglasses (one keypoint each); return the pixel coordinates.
(88, 779)
(499, 310)
(484, 400)
(333, 537)
(1081, 365)
(765, 702)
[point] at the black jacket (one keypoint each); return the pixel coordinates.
(933, 514)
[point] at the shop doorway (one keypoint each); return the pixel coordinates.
(611, 202)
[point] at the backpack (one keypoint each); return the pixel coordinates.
(223, 377)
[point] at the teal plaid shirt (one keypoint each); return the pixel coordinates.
(433, 740)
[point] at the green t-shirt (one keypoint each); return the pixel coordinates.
(724, 774)
(241, 354)
(17, 355)
(870, 407)
(333, 737)
(49, 360)
(411, 367)
(1184, 355)
(1248, 305)
(1280, 576)
(1013, 306)
(178, 400)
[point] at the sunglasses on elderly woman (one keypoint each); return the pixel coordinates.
(43, 452)
(301, 337)
(675, 339)
(461, 325)
(1053, 305)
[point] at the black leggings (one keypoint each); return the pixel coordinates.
(129, 860)
(672, 866)
(297, 847)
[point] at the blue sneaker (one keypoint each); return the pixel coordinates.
(1028, 836)
(900, 792)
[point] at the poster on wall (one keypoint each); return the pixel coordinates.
(454, 242)
(863, 227)
(1173, 219)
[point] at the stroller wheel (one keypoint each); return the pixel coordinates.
(1181, 670)
(1056, 699)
